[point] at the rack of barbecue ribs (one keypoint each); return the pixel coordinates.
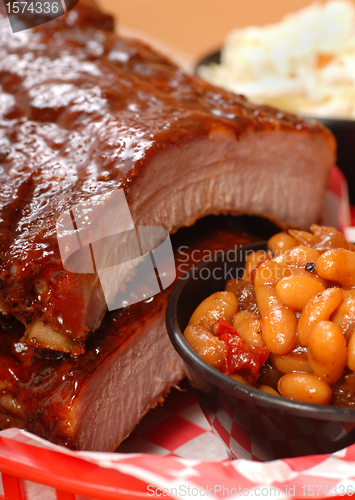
(84, 115)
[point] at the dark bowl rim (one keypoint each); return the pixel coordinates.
(222, 381)
(214, 57)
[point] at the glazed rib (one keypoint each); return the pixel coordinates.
(83, 113)
(94, 401)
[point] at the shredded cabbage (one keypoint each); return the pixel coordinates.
(304, 64)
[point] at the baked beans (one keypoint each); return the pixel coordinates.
(299, 325)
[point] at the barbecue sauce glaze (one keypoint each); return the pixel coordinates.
(81, 113)
(39, 389)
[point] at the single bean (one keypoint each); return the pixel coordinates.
(302, 271)
(281, 242)
(279, 329)
(268, 273)
(351, 353)
(305, 387)
(296, 291)
(327, 351)
(268, 390)
(252, 261)
(210, 348)
(298, 257)
(248, 325)
(291, 362)
(303, 237)
(318, 308)
(240, 378)
(328, 237)
(266, 299)
(344, 316)
(337, 265)
(219, 305)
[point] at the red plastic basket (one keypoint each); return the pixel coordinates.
(20, 461)
(84, 480)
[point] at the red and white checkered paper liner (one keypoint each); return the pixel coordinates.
(173, 451)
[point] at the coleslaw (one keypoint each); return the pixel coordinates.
(304, 64)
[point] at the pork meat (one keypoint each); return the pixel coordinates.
(83, 113)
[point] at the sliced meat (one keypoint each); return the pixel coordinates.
(84, 113)
(126, 386)
(94, 401)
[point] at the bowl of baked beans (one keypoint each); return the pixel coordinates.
(267, 334)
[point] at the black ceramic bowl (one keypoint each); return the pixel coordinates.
(251, 423)
(343, 130)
